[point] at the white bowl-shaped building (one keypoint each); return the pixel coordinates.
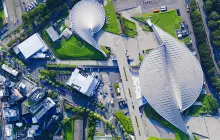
(171, 78)
(87, 18)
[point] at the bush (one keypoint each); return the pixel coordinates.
(125, 121)
(116, 86)
(50, 73)
(60, 66)
(140, 58)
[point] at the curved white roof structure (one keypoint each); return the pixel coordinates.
(171, 78)
(87, 18)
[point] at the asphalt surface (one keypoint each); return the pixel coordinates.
(15, 12)
(126, 77)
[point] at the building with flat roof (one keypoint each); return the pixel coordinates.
(8, 132)
(2, 86)
(32, 46)
(26, 86)
(106, 137)
(52, 33)
(15, 96)
(67, 33)
(11, 114)
(41, 109)
(87, 18)
(171, 78)
(83, 83)
(9, 70)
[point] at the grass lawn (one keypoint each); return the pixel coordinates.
(1, 16)
(152, 114)
(128, 27)
(197, 110)
(168, 21)
(112, 23)
(107, 52)
(187, 41)
(148, 51)
(73, 48)
(129, 24)
(68, 129)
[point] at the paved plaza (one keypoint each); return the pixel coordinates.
(208, 127)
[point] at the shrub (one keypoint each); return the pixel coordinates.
(125, 121)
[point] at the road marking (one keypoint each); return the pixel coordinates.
(129, 92)
(125, 74)
(137, 122)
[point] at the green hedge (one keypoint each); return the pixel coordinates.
(125, 121)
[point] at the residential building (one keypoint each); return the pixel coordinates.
(27, 86)
(2, 87)
(11, 114)
(8, 132)
(10, 70)
(15, 96)
(83, 83)
(31, 47)
(106, 137)
(39, 110)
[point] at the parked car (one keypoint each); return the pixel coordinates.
(178, 12)
(187, 7)
(163, 8)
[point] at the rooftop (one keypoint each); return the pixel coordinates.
(9, 70)
(31, 46)
(171, 78)
(84, 83)
(87, 18)
(26, 85)
(67, 33)
(106, 137)
(52, 33)
(10, 114)
(40, 109)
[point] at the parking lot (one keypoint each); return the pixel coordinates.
(148, 4)
(28, 5)
(125, 4)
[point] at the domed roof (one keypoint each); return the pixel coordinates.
(87, 18)
(171, 78)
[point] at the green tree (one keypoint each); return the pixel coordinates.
(213, 103)
(208, 6)
(214, 16)
(212, 24)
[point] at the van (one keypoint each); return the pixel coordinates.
(163, 8)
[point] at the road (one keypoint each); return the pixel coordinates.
(126, 77)
(15, 12)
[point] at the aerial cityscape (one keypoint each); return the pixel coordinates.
(109, 69)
